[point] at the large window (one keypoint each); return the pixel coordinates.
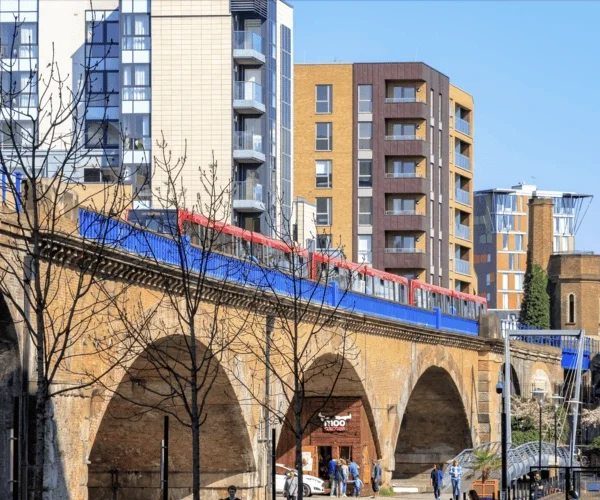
(365, 211)
(399, 206)
(324, 139)
(505, 223)
(401, 168)
(365, 98)
(324, 99)
(505, 242)
(404, 130)
(365, 173)
(519, 281)
(136, 132)
(511, 261)
(365, 135)
(136, 82)
(365, 254)
(324, 173)
(401, 93)
(323, 212)
(401, 242)
(136, 31)
(519, 242)
(102, 134)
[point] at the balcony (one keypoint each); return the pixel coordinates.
(405, 258)
(463, 232)
(462, 126)
(402, 138)
(394, 100)
(248, 147)
(462, 267)
(402, 212)
(462, 161)
(462, 196)
(248, 196)
(248, 98)
(248, 48)
(403, 250)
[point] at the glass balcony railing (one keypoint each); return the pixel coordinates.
(403, 250)
(462, 126)
(462, 196)
(462, 266)
(462, 161)
(248, 141)
(401, 137)
(402, 212)
(401, 175)
(392, 100)
(246, 40)
(248, 191)
(248, 91)
(462, 231)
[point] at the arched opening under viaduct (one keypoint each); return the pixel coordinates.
(434, 426)
(124, 463)
(333, 388)
(10, 371)
(515, 384)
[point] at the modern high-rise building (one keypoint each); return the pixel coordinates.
(385, 151)
(212, 78)
(501, 238)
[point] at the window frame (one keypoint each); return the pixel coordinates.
(328, 213)
(325, 236)
(368, 137)
(328, 138)
(328, 101)
(369, 213)
(365, 237)
(369, 101)
(328, 174)
(362, 176)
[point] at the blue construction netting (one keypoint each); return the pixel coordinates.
(10, 187)
(164, 249)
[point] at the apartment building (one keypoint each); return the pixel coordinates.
(212, 78)
(385, 151)
(502, 238)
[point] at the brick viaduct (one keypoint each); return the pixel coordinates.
(426, 396)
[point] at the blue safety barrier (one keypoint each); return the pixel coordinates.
(11, 189)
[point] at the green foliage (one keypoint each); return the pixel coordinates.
(485, 462)
(535, 308)
(386, 492)
(525, 422)
(595, 444)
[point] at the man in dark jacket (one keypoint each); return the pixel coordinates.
(331, 466)
(376, 476)
(437, 477)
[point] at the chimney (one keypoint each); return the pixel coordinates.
(541, 231)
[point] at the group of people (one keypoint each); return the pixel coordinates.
(437, 480)
(343, 471)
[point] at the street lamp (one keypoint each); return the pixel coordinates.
(500, 391)
(557, 400)
(538, 395)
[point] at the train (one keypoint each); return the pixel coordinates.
(313, 265)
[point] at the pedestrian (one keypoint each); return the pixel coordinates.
(437, 477)
(331, 466)
(345, 474)
(292, 489)
(473, 495)
(231, 491)
(353, 468)
(358, 484)
(455, 473)
(339, 479)
(286, 485)
(375, 478)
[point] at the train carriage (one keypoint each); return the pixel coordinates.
(426, 296)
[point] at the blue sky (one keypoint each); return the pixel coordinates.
(533, 68)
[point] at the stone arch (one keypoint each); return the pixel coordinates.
(347, 396)
(541, 378)
(435, 399)
(125, 455)
(10, 369)
(515, 383)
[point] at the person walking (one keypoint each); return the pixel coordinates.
(353, 468)
(292, 487)
(331, 466)
(339, 479)
(455, 473)
(231, 492)
(345, 475)
(375, 478)
(358, 484)
(437, 477)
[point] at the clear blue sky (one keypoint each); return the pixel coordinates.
(533, 68)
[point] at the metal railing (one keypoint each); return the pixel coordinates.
(246, 40)
(462, 161)
(462, 126)
(403, 250)
(402, 175)
(248, 190)
(401, 137)
(247, 141)
(402, 212)
(462, 196)
(392, 100)
(462, 231)
(462, 266)
(248, 91)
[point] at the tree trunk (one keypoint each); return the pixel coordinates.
(196, 459)
(299, 433)
(40, 436)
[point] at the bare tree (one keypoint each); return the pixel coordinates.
(56, 294)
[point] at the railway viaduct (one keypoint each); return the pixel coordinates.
(421, 394)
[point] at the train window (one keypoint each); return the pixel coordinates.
(402, 296)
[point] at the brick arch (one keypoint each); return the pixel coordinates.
(540, 371)
(434, 365)
(130, 430)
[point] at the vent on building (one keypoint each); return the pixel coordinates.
(258, 6)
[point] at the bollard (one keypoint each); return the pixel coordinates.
(464, 495)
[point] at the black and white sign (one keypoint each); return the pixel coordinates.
(335, 424)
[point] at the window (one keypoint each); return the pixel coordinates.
(519, 242)
(365, 135)
(365, 211)
(136, 82)
(324, 173)
(431, 103)
(489, 257)
(397, 205)
(102, 134)
(440, 107)
(571, 308)
(401, 242)
(511, 261)
(323, 242)
(324, 140)
(404, 94)
(364, 249)
(488, 279)
(365, 173)
(324, 100)
(404, 131)
(505, 301)
(504, 281)
(505, 242)
(136, 31)
(488, 297)
(323, 212)
(439, 144)
(399, 168)
(365, 98)
(431, 134)
(519, 281)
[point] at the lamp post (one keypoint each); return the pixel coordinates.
(500, 390)
(557, 400)
(538, 395)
